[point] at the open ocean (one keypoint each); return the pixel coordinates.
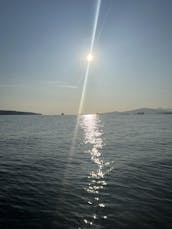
(108, 171)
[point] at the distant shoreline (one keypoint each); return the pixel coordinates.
(142, 111)
(139, 111)
(9, 112)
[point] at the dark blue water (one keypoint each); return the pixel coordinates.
(108, 171)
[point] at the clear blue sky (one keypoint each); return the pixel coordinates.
(44, 44)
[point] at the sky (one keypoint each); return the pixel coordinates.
(44, 45)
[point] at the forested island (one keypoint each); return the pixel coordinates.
(9, 112)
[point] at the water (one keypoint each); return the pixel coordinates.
(116, 172)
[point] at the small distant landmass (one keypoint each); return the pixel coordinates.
(143, 111)
(9, 112)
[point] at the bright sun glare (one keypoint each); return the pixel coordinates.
(89, 57)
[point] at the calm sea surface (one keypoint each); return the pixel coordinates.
(100, 171)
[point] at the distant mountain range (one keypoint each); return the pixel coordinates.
(7, 112)
(142, 111)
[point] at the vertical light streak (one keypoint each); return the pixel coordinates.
(95, 25)
(71, 152)
(86, 75)
(84, 88)
(91, 50)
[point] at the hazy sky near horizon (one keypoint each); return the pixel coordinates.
(44, 44)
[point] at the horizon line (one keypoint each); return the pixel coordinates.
(86, 113)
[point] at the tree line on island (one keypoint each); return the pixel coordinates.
(9, 112)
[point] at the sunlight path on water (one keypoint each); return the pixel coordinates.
(71, 152)
(93, 138)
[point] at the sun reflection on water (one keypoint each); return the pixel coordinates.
(93, 138)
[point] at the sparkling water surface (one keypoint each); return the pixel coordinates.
(111, 171)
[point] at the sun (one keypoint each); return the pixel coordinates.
(89, 57)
